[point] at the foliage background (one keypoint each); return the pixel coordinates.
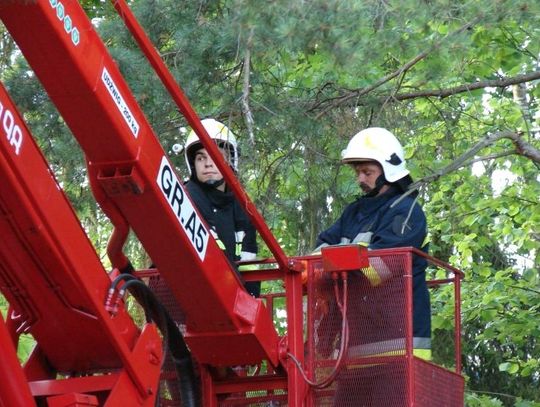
(456, 81)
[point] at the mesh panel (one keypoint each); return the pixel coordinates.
(169, 386)
(375, 371)
(377, 385)
(165, 296)
(437, 386)
(376, 315)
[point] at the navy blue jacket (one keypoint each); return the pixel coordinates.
(387, 227)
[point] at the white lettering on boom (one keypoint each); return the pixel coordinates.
(119, 102)
(12, 131)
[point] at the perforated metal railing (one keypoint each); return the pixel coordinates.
(379, 366)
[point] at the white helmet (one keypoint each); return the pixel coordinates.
(223, 137)
(377, 144)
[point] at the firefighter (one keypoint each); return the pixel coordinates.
(228, 222)
(380, 218)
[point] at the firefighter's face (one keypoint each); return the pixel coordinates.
(205, 168)
(366, 174)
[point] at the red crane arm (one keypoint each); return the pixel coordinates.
(138, 182)
(52, 276)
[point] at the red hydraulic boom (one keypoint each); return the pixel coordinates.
(89, 351)
(136, 182)
(56, 286)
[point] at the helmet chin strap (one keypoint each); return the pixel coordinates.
(379, 183)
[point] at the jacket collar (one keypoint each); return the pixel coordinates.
(369, 205)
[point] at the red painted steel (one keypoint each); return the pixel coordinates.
(138, 180)
(344, 258)
(16, 378)
(121, 226)
(209, 395)
(457, 320)
(414, 381)
(380, 351)
(137, 188)
(408, 279)
(433, 382)
(457, 276)
(295, 337)
(52, 277)
(72, 400)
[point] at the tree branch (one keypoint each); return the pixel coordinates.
(245, 89)
(493, 393)
(444, 93)
(495, 83)
(525, 289)
(492, 156)
(522, 148)
(363, 91)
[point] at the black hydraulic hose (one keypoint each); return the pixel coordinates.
(140, 295)
(174, 340)
(183, 363)
(127, 269)
(143, 295)
(123, 276)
